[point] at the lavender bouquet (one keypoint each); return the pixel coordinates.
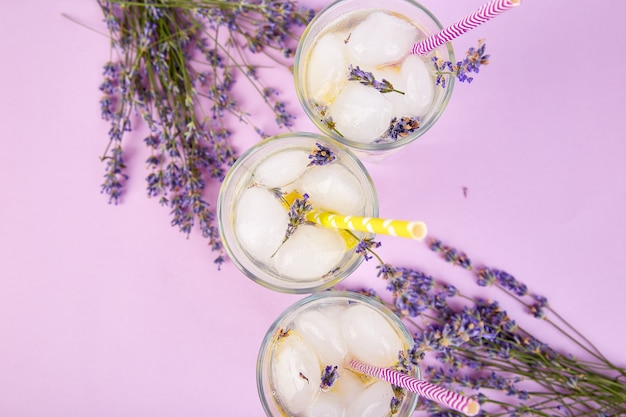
(173, 65)
(474, 346)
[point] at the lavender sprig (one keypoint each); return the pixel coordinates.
(175, 66)
(297, 214)
(297, 217)
(474, 59)
(325, 118)
(367, 79)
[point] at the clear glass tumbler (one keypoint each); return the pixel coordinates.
(374, 39)
(258, 198)
(301, 366)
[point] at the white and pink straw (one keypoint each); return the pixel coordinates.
(427, 390)
(480, 16)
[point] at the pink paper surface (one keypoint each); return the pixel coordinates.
(109, 311)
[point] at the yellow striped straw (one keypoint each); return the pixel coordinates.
(400, 228)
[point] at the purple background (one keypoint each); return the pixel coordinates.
(108, 311)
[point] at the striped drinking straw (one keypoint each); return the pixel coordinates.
(390, 227)
(484, 13)
(427, 390)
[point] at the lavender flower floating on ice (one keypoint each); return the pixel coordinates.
(367, 79)
(297, 217)
(329, 376)
(402, 127)
(321, 156)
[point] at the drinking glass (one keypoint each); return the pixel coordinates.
(324, 330)
(253, 211)
(375, 37)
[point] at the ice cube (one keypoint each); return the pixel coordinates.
(310, 253)
(381, 39)
(260, 222)
(323, 333)
(326, 405)
(374, 401)
(348, 386)
(295, 374)
(418, 87)
(334, 311)
(281, 168)
(334, 188)
(360, 113)
(327, 70)
(370, 336)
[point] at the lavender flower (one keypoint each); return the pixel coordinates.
(297, 217)
(474, 59)
(297, 214)
(115, 176)
(329, 376)
(367, 79)
(442, 69)
(400, 128)
(364, 247)
(321, 156)
(450, 254)
(386, 271)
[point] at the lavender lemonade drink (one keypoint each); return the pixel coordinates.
(358, 82)
(264, 197)
(302, 365)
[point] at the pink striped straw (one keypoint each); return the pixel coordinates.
(427, 390)
(480, 16)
